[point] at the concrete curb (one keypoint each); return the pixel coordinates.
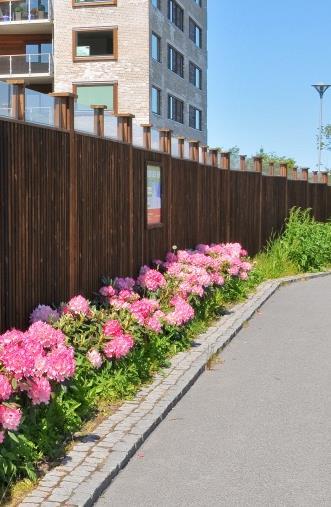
(93, 463)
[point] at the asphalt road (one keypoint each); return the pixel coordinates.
(255, 430)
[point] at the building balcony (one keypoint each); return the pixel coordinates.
(25, 16)
(33, 68)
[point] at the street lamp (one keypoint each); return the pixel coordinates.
(321, 89)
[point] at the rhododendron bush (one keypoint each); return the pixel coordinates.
(53, 374)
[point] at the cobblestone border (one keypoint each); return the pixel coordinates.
(93, 463)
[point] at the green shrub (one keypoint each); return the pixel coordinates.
(306, 242)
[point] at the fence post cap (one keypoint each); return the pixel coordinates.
(167, 131)
(63, 94)
(225, 153)
(124, 115)
(146, 125)
(98, 106)
(243, 156)
(258, 157)
(215, 149)
(15, 81)
(193, 141)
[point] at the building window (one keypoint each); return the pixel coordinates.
(156, 4)
(95, 44)
(91, 3)
(195, 33)
(195, 118)
(88, 94)
(176, 14)
(156, 47)
(156, 100)
(175, 109)
(175, 61)
(195, 75)
(198, 2)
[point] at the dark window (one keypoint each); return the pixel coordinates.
(195, 118)
(195, 75)
(195, 33)
(156, 100)
(156, 3)
(176, 14)
(175, 109)
(97, 43)
(156, 47)
(175, 61)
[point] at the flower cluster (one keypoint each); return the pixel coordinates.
(29, 362)
(162, 296)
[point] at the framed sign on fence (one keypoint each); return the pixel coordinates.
(154, 194)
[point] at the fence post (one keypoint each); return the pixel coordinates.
(64, 117)
(99, 119)
(165, 140)
(295, 173)
(213, 152)
(304, 174)
(204, 151)
(64, 114)
(271, 168)
(325, 177)
(124, 127)
(283, 169)
(194, 150)
(305, 177)
(225, 160)
(18, 98)
(315, 176)
(243, 162)
(181, 147)
(147, 135)
(257, 164)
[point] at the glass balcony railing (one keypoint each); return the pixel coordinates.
(26, 65)
(25, 10)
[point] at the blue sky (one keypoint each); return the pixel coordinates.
(263, 57)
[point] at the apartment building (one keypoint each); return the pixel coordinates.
(145, 57)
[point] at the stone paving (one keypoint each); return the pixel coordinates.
(93, 463)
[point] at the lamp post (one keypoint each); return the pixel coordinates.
(321, 89)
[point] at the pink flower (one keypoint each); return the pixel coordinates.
(45, 314)
(2, 436)
(243, 275)
(154, 324)
(95, 358)
(112, 328)
(5, 388)
(234, 271)
(39, 391)
(77, 305)
(46, 334)
(10, 418)
(119, 346)
(182, 313)
(151, 279)
(61, 363)
(108, 291)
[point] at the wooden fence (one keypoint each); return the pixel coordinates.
(73, 208)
